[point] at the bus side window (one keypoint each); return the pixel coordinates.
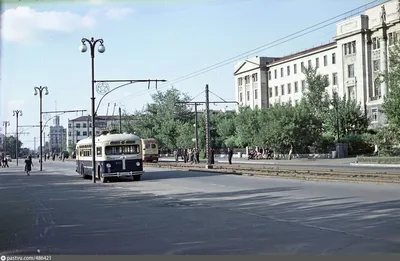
(99, 152)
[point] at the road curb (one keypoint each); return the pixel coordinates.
(376, 165)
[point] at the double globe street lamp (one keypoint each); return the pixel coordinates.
(101, 49)
(41, 90)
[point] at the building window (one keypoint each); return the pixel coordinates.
(283, 89)
(248, 95)
(78, 125)
(294, 68)
(84, 133)
(376, 43)
(303, 85)
(393, 38)
(69, 134)
(334, 58)
(350, 70)
(281, 72)
(309, 64)
(289, 88)
(334, 79)
(377, 88)
(296, 87)
(78, 133)
(254, 77)
(302, 67)
(316, 62)
(269, 75)
(240, 97)
(374, 114)
(247, 79)
(84, 125)
(349, 48)
(351, 93)
(290, 102)
(276, 91)
(376, 65)
(240, 81)
(275, 74)
(288, 70)
(296, 102)
(325, 60)
(69, 125)
(255, 94)
(270, 92)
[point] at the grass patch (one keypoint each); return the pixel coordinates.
(379, 160)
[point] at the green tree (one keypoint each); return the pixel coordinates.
(162, 118)
(315, 95)
(391, 105)
(72, 147)
(9, 145)
(345, 117)
(247, 124)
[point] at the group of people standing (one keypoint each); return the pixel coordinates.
(187, 155)
(193, 155)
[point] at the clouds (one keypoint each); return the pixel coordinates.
(119, 13)
(26, 25)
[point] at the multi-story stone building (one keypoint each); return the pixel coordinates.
(353, 63)
(57, 137)
(81, 127)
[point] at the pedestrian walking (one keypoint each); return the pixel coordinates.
(28, 165)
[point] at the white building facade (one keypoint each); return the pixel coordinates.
(353, 63)
(81, 127)
(57, 137)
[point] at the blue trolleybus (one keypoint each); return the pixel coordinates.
(117, 155)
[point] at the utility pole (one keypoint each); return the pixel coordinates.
(120, 120)
(16, 113)
(208, 145)
(196, 127)
(208, 132)
(5, 124)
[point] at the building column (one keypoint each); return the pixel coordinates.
(384, 60)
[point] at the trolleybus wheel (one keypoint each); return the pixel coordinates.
(101, 178)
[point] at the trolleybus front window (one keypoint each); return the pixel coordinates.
(124, 149)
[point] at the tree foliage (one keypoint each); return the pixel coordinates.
(311, 123)
(9, 145)
(391, 105)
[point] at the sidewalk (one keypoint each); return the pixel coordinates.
(304, 161)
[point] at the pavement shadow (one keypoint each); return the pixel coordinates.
(60, 214)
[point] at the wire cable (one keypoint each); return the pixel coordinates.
(269, 45)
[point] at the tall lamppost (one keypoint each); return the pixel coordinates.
(39, 90)
(5, 124)
(83, 48)
(16, 113)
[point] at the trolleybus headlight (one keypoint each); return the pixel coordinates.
(108, 165)
(138, 163)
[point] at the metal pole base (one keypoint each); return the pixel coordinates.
(209, 166)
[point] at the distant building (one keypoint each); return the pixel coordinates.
(57, 137)
(81, 127)
(353, 63)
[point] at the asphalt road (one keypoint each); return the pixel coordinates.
(173, 212)
(323, 164)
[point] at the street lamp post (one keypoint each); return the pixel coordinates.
(5, 124)
(83, 48)
(16, 113)
(39, 90)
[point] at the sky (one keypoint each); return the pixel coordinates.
(143, 40)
